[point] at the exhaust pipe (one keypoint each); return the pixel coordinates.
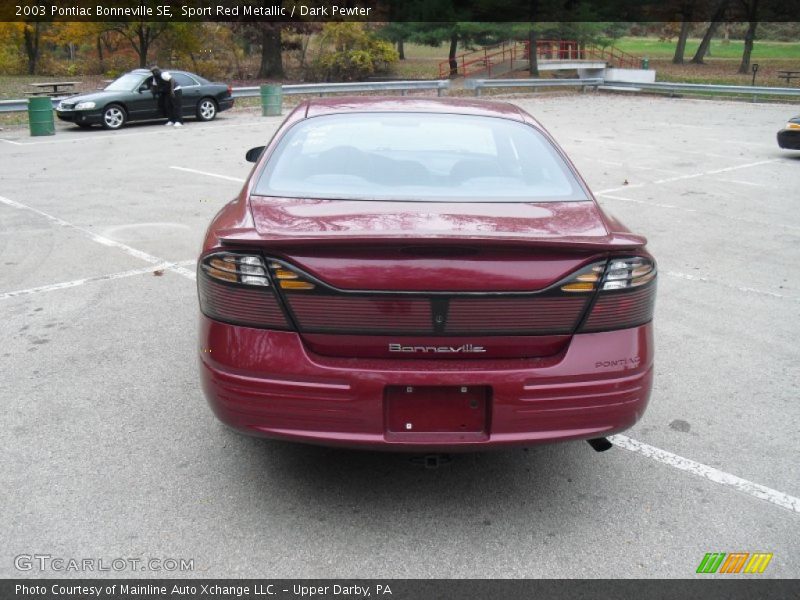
(600, 444)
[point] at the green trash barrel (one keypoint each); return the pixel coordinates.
(645, 63)
(40, 116)
(271, 100)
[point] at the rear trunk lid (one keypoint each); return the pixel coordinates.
(559, 223)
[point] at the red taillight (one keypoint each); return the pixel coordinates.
(626, 298)
(235, 288)
(230, 91)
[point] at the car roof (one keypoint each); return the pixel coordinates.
(149, 72)
(463, 106)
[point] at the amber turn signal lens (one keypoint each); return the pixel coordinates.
(220, 270)
(296, 285)
(580, 286)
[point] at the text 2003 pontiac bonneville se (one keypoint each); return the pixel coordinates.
(425, 275)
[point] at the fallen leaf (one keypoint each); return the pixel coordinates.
(158, 273)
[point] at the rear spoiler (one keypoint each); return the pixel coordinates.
(610, 242)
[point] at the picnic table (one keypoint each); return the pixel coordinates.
(55, 85)
(788, 75)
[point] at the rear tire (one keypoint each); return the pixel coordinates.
(206, 109)
(113, 116)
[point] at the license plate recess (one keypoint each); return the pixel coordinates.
(416, 410)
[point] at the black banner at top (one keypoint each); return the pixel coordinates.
(299, 11)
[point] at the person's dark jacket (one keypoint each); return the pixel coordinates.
(161, 89)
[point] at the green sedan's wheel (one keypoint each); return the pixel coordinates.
(113, 116)
(206, 109)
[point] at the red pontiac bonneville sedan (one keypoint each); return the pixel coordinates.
(425, 275)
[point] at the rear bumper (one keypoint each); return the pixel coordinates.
(789, 139)
(267, 383)
(225, 104)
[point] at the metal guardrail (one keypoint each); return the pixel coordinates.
(668, 86)
(440, 85)
(479, 84)
(22, 105)
(340, 88)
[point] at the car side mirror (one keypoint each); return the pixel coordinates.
(254, 154)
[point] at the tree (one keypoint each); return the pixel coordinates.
(268, 37)
(686, 10)
(31, 34)
(271, 57)
(533, 55)
(28, 39)
(141, 35)
(751, 10)
(705, 44)
(397, 33)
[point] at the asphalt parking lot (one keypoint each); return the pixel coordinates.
(109, 450)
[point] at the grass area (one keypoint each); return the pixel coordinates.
(654, 48)
(422, 62)
(16, 86)
(724, 71)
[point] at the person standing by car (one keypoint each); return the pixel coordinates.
(160, 90)
(173, 100)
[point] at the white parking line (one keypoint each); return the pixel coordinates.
(747, 183)
(651, 146)
(614, 163)
(690, 176)
(695, 468)
(207, 174)
(631, 186)
(659, 204)
(715, 171)
(79, 282)
(153, 260)
(673, 125)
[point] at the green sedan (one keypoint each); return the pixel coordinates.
(132, 97)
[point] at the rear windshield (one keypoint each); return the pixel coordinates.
(418, 157)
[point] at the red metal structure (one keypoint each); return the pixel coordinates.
(499, 58)
(614, 56)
